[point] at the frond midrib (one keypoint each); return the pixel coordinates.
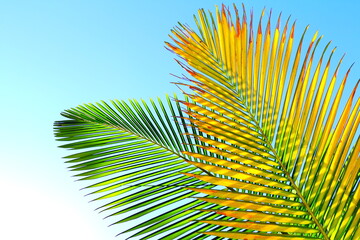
(293, 184)
(237, 93)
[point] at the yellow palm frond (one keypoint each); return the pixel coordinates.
(284, 146)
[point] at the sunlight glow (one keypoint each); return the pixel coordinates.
(28, 212)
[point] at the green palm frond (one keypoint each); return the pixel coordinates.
(261, 147)
(133, 153)
(291, 170)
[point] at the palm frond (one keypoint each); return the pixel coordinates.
(131, 153)
(286, 154)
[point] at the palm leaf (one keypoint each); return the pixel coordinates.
(132, 155)
(286, 155)
(264, 150)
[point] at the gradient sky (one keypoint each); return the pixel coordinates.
(58, 54)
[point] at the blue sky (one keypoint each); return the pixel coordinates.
(58, 54)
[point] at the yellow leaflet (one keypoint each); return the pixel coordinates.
(205, 29)
(241, 159)
(247, 132)
(213, 90)
(347, 137)
(249, 71)
(211, 85)
(201, 25)
(238, 143)
(270, 87)
(197, 55)
(239, 175)
(319, 127)
(263, 69)
(247, 197)
(345, 188)
(236, 166)
(283, 123)
(277, 71)
(224, 114)
(311, 90)
(354, 224)
(221, 37)
(223, 86)
(307, 126)
(180, 36)
(210, 71)
(243, 46)
(257, 66)
(321, 134)
(253, 206)
(194, 41)
(277, 88)
(213, 72)
(225, 130)
(292, 140)
(301, 113)
(330, 120)
(333, 144)
(262, 227)
(263, 217)
(198, 60)
(284, 71)
(338, 225)
(225, 108)
(216, 43)
(236, 58)
(239, 79)
(241, 185)
(196, 37)
(351, 211)
(335, 218)
(313, 140)
(226, 32)
(254, 236)
(320, 91)
(233, 53)
(238, 151)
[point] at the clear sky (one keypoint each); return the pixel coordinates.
(58, 54)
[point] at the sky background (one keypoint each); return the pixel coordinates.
(58, 54)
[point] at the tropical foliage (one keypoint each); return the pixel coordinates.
(263, 144)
